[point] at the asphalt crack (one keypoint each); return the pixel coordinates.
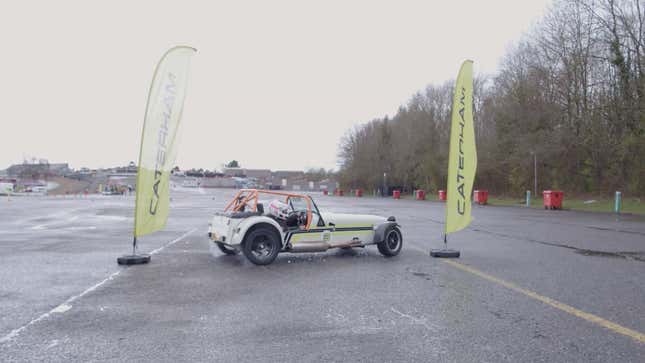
(616, 230)
(631, 255)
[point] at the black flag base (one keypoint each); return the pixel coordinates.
(133, 259)
(445, 253)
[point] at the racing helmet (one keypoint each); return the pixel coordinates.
(278, 209)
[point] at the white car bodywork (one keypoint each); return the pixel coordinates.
(295, 225)
(337, 228)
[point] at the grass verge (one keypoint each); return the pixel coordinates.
(630, 205)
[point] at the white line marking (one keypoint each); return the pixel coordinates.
(79, 228)
(61, 308)
(154, 252)
(65, 306)
(14, 333)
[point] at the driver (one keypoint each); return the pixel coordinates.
(295, 219)
(292, 218)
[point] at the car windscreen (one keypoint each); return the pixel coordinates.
(298, 204)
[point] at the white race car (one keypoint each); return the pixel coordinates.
(293, 223)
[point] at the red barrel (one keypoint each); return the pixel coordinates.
(421, 194)
(442, 195)
(481, 197)
(340, 192)
(325, 192)
(552, 199)
(359, 192)
(396, 194)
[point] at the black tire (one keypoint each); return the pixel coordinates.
(225, 249)
(445, 253)
(392, 243)
(133, 259)
(261, 246)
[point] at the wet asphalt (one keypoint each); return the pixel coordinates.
(64, 298)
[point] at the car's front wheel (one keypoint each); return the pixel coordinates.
(392, 243)
(225, 249)
(261, 246)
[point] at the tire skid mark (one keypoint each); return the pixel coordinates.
(632, 255)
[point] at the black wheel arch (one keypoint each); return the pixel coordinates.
(381, 230)
(264, 225)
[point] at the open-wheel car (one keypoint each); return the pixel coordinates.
(288, 222)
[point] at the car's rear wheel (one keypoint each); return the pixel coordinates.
(392, 243)
(225, 249)
(261, 246)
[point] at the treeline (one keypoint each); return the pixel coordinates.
(571, 95)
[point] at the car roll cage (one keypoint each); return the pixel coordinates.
(249, 198)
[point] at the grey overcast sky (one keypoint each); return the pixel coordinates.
(274, 84)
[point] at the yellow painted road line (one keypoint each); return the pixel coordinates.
(637, 336)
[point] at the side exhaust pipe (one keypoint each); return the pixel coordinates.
(310, 247)
(323, 246)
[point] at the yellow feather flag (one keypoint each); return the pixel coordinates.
(462, 159)
(159, 140)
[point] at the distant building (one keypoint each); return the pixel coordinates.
(131, 168)
(37, 171)
(59, 169)
(248, 173)
(217, 182)
(288, 174)
(285, 179)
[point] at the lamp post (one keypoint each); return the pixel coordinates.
(534, 173)
(384, 184)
